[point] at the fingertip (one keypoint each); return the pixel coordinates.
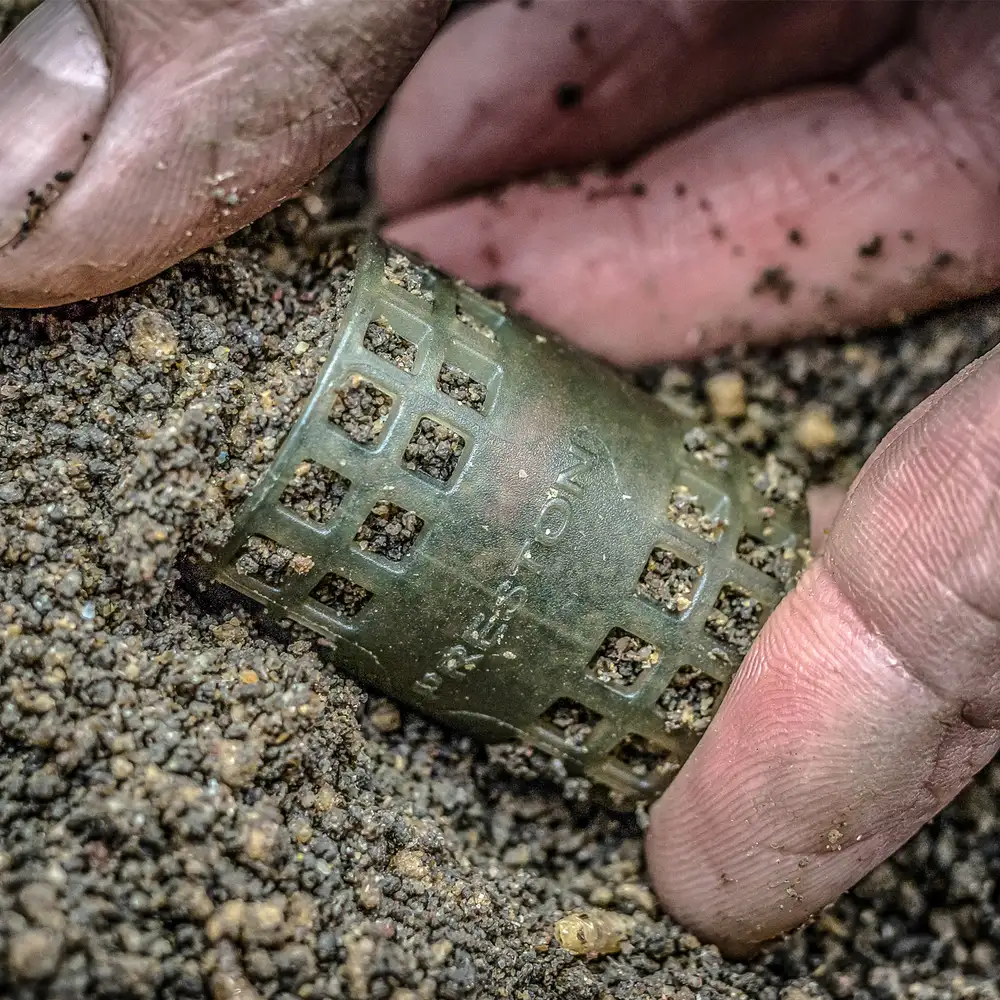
(511, 90)
(808, 212)
(793, 793)
(869, 699)
(186, 152)
(55, 90)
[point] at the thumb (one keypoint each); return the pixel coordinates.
(213, 112)
(54, 83)
(871, 697)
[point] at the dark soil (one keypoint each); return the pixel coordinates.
(669, 580)
(434, 450)
(622, 658)
(687, 512)
(461, 386)
(341, 595)
(773, 560)
(382, 340)
(191, 808)
(389, 530)
(574, 722)
(736, 618)
(315, 491)
(690, 701)
(360, 410)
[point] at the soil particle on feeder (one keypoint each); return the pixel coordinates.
(411, 277)
(643, 758)
(268, 561)
(669, 580)
(315, 491)
(777, 483)
(706, 448)
(573, 721)
(469, 320)
(735, 619)
(344, 597)
(775, 561)
(383, 341)
(360, 409)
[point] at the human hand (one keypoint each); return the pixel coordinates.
(872, 695)
(134, 133)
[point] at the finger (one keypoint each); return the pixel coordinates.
(52, 71)
(821, 209)
(512, 88)
(219, 111)
(871, 697)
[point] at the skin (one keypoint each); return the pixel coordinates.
(849, 151)
(200, 115)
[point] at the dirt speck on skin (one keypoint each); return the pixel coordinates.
(191, 807)
(873, 248)
(568, 96)
(774, 281)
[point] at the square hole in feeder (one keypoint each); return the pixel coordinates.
(315, 491)
(360, 409)
(623, 659)
(343, 597)
(777, 562)
(707, 448)
(668, 580)
(466, 316)
(384, 342)
(462, 387)
(411, 277)
(690, 701)
(736, 618)
(687, 512)
(434, 450)
(389, 530)
(265, 560)
(573, 721)
(644, 759)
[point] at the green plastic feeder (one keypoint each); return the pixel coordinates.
(488, 525)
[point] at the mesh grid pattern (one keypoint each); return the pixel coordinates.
(534, 551)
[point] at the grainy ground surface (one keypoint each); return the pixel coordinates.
(189, 808)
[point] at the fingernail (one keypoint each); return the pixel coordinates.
(54, 86)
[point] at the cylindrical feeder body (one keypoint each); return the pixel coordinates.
(488, 525)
